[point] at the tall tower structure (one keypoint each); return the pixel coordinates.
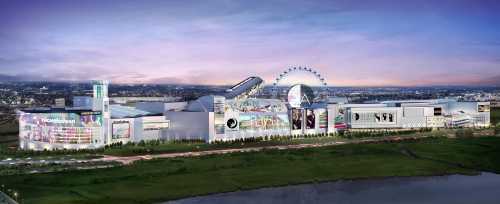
(101, 104)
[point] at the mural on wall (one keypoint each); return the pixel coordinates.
(256, 122)
(219, 109)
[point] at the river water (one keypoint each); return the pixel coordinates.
(456, 189)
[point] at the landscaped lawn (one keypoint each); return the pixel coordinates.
(166, 179)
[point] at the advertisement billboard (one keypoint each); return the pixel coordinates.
(256, 121)
(310, 119)
(84, 119)
(91, 119)
(246, 121)
(219, 123)
(340, 119)
(67, 128)
(296, 119)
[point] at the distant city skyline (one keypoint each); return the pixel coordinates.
(351, 43)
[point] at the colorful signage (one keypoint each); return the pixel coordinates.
(296, 119)
(63, 128)
(256, 121)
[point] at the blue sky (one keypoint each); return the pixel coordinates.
(360, 43)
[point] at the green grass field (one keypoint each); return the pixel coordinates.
(167, 179)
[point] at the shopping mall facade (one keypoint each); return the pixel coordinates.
(92, 122)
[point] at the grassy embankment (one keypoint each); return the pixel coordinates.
(166, 179)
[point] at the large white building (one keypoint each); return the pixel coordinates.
(93, 122)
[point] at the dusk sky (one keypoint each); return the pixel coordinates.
(351, 43)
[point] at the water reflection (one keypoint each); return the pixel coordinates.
(457, 189)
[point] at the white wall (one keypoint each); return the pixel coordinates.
(332, 111)
(146, 135)
(416, 117)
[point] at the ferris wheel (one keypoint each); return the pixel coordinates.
(323, 86)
